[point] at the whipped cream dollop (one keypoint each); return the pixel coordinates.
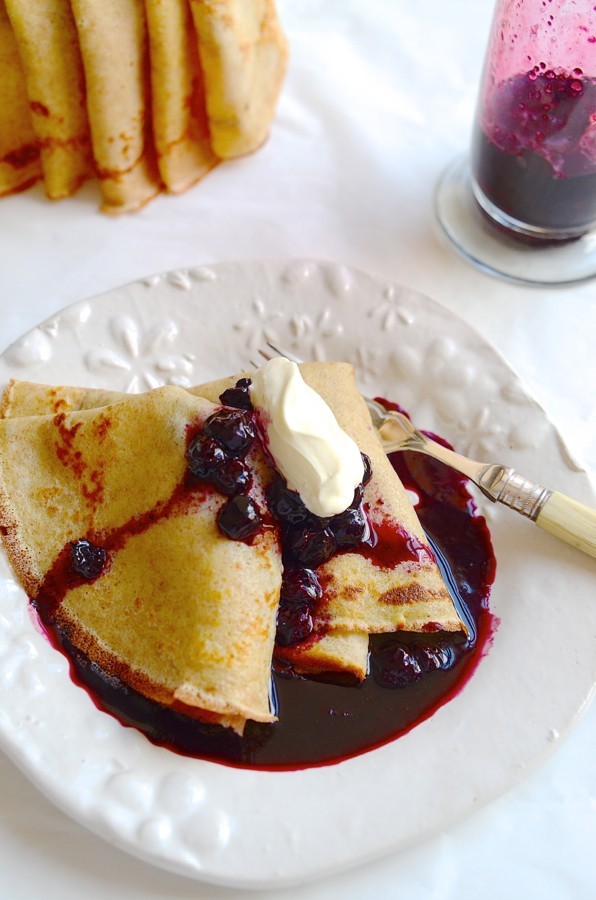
(315, 456)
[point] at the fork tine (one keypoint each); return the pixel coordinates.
(277, 351)
(266, 355)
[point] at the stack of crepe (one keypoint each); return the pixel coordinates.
(145, 95)
(181, 613)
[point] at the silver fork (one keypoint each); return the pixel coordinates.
(552, 511)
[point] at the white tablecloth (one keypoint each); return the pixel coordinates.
(378, 99)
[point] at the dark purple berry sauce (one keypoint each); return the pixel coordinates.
(532, 153)
(325, 720)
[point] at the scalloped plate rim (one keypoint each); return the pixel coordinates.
(214, 842)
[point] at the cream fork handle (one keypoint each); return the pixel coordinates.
(570, 521)
(552, 511)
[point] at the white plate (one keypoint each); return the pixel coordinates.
(258, 829)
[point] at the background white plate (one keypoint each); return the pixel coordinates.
(250, 829)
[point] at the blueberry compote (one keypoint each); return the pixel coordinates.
(324, 720)
(534, 154)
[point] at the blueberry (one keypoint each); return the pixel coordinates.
(233, 428)
(350, 527)
(294, 623)
(397, 667)
(233, 477)
(311, 544)
(300, 586)
(238, 396)
(204, 456)
(87, 559)
(430, 658)
(239, 518)
(300, 590)
(286, 505)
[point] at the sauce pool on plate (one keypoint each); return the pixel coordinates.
(325, 720)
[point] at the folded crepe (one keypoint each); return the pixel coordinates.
(147, 95)
(362, 595)
(334, 650)
(180, 127)
(27, 398)
(114, 48)
(177, 611)
(20, 165)
(49, 50)
(244, 58)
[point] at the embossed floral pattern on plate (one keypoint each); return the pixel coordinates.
(228, 826)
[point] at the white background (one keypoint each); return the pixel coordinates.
(378, 99)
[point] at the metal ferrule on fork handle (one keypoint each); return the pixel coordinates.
(505, 485)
